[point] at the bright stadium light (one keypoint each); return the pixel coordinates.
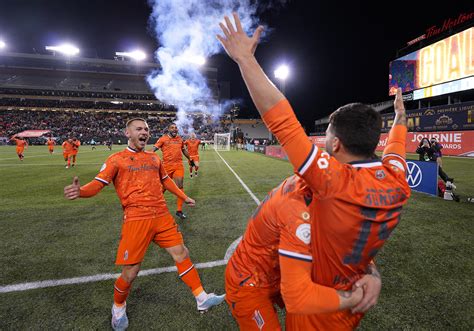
(282, 72)
(65, 49)
(136, 55)
(2, 44)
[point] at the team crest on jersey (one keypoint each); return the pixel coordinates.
(125, 255)
(103, 167)
(305, 215)
(258, 318)
(380, 174)
(303, 232)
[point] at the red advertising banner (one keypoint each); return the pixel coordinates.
(276, 151)
(455, 143)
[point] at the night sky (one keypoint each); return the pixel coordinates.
(338, 51)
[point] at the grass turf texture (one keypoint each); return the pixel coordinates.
(427, 265)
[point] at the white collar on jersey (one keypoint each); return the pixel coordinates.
(130, 149)
(366, 163)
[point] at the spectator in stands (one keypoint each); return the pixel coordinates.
(426, 152)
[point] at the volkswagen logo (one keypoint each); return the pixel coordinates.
(414, 174)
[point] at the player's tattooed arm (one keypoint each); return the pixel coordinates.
(348, 299)
(185, 153)
(400, 114)
(372, 285)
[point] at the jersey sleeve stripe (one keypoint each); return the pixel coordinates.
(164, 177)
(309, 160)
(394, 155)
(102, 180)
(293, 255)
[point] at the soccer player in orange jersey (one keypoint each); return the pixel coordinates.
(275, 255)
(68, 148)
(358, 197)
(50, 142)
(192, 146)
(75, 149)
(139, 178)
(172, 147)
(21, 144)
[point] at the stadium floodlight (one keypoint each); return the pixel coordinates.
(136, 55)
(65, 49)
(196, 59)
(282, 72)
(2, 44)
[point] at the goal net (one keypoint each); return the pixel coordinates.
(222, 141)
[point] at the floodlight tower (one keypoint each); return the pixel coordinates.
(64, 49)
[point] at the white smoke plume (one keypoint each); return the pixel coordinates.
(186, 31)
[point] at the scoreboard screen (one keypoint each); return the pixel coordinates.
(450, 59)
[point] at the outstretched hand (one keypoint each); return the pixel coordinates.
(190, 202)
(236, 42)
(398, 102)
(73, 191)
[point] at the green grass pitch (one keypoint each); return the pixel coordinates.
(427, 265)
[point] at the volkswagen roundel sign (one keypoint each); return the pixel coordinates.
(422, 176)
(414, 174)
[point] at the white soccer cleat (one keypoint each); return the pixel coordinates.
(211, 301)
(119, 321)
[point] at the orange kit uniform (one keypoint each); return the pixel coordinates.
(138, 179)
(50, 144)
(75, 147)
(172, 149)
(20, 145)
(275, 254)
(193, 148)
(67, 149)
(356, 208)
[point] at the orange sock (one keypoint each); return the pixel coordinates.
(121, 290)
(189, 275)
(179, 203)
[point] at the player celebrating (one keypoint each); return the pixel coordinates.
(172, 147)
(50, 142)
(75, 149)
(139, 179)
(358, 198)
(68, 148)
(21, 144)
(275, 253)
(192, 146)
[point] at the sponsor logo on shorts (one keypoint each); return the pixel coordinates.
(258, 318)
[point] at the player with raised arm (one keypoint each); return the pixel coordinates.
(192, 146)
(50, 143)
(358, 198)
(172, 147)
(275, 255)
(21, 144)
(139, 178)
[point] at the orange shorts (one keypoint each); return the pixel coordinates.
(340, 321)
(253, 308)
(19, 150)
(74, 153)
(175, 171)
(51, 148)
(195, 158)
(137, 236)
(66, 155)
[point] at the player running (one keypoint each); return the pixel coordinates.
(192, 146)
(172, 147)
(139, 178)
(68, 148)
(75, 149)
(275, 255)
(358, 198)
(50, 142)
(21, 144)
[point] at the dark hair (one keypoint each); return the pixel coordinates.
(423, 139)
(358, 128)
(134, 119)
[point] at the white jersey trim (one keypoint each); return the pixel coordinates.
(294, 255)
(367, 165)
(309, 160)
(102, 180)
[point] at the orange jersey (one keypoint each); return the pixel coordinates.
(137, 179)
(172, 149)
(50, 143)
(67, 147)
(280, 225)
(357, 205)
(193, 146)
(75, 147)
(20, 143)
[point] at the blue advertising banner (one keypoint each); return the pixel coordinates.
(423, 176)
(250, 147)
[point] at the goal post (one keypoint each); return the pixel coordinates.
(222, 141)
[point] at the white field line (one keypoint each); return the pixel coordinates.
(60, 163)
(147, 272)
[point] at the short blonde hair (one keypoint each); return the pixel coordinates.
(133, 120)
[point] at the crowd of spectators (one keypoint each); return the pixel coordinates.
(97, 126)
(78, 94)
